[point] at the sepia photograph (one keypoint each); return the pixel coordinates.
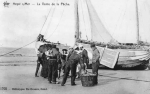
(74, 46)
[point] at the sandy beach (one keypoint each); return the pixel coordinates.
(19, 79)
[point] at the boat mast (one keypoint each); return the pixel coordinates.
(76, 22)
(137, 16)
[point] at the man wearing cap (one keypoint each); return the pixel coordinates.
(52, 65)
(95, 60)
(72, 61)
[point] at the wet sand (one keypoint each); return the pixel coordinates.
(19, 79)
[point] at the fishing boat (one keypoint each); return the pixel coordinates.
(84, 26)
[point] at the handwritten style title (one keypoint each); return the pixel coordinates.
(6, 4)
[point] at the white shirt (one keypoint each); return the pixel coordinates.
(48, 53)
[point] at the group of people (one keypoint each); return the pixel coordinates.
(49, 58)
(52, 61)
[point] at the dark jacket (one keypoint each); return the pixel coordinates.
(69, 54)
(74, 56)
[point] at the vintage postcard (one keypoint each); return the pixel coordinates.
(74, 46)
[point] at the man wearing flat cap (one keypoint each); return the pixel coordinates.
(95, 60)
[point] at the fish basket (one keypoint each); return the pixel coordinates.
(88, 80)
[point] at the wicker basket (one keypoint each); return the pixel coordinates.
(88, 80)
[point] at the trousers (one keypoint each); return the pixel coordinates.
(52, 70)
(39, 62)
(70, 65)
(95, 66)
(44, 71)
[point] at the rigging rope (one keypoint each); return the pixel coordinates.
(119, 18)
(57, 24)
(30, 42)
(17, 48)
(45, 20)
(50, 19)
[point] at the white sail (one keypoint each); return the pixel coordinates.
(90, 26)
(120, 19)
(99, 20)
(99, 32)
(144, 19)
(84, 21)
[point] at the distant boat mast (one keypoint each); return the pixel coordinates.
(137, 16)
(76, 22)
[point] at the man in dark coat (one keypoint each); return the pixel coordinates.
(52, 64)
(95, 60)
(44, 70)
(72, 61)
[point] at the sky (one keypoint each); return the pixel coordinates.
(120, 19)
(21, 24)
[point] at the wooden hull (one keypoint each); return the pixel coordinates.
(128, 58)
(127, 65)
(132, 64)
(133, 59)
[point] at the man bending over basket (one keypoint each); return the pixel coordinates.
(72, 60)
